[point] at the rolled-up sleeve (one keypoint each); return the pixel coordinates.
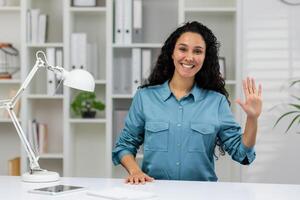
(230, 135)
(132, 135)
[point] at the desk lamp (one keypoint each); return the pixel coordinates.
(78, 79)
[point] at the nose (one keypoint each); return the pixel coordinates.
(189, 57)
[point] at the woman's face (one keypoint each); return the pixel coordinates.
(189, 54)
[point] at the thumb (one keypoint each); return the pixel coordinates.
(238, 101)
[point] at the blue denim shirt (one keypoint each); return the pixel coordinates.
(179, 135)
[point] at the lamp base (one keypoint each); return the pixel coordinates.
(40, 176)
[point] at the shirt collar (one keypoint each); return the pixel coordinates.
(196, 92)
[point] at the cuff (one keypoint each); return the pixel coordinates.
(117, 157)
(249, 152)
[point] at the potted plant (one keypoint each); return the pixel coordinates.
(295, 105)
(86, 105)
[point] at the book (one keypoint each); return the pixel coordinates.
(14, 167)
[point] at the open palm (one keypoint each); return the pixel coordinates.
(253, 100)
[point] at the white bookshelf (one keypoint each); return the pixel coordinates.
(10, 20)
(71, 136)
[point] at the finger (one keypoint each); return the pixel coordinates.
(259, 90)
(148, 178)
(131, 180)
(136, 180)
(143, 181)
(249, 85)
(246, 93)
(126, 180)
(253, 85)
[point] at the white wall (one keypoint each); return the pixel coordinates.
(271, 54)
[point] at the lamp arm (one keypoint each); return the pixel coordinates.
(39, 63)
(34, 165)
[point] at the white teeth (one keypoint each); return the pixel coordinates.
(187, 66)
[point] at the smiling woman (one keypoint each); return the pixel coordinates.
(183, 112)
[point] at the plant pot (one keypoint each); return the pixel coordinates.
(88, 114)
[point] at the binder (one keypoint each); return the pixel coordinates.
(127, 21)
(136, 69)
(82, 50)
(119, 16)
(58, 62)
(35, 25)
(92, 59)
(78, 51)
(51, 82)
(42, 28)
(137, 21)
(28, 27)
(146, 64)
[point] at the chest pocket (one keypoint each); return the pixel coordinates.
(201, 137)
(156, 136)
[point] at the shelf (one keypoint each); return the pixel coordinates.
(88, 9)
(92, 121)
(122, 96)
(100, 82)
(52, 156)
(211, 9)
(45, 45)
(44, 96)
(7, 120)
(138, 45)
(10, 8)
(10, 81)
(230, 82)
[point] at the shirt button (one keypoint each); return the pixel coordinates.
(178, 144)
(177, 163)
(178, 124)
(180, 107)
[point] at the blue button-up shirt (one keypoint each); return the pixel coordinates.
(179, 135)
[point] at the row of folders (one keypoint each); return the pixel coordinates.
(37, 23)
(128, 21)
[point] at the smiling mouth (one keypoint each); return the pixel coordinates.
(187, 66)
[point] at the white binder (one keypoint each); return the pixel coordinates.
(146, 63)
(119, 16)
(136, 69)
(51, 82)
(137, 21)
(127, 21)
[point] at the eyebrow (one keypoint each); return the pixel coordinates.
(198, 47)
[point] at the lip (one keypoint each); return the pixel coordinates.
(187, 66)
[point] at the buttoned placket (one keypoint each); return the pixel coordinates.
(179, 136)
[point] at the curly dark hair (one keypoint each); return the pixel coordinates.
(208, 77)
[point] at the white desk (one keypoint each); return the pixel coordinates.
(12, 188)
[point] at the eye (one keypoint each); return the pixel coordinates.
(183, 49)
(198, 51)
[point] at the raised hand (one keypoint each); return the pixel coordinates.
(253, 100)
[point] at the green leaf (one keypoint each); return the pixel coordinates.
(284, 115)
(294, 82)
(294, 105)
(295, 118)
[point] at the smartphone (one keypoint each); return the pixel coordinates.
(57, 189)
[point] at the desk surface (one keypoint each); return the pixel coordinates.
(13, 188)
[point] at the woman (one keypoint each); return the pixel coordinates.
(183, 112)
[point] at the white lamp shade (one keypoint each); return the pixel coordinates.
(79, 79)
